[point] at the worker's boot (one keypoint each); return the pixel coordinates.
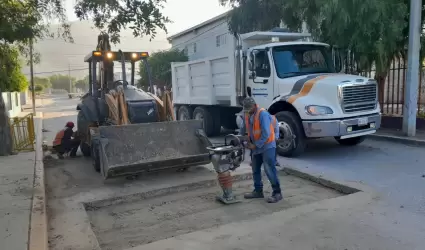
(256, 194)
(275, 197)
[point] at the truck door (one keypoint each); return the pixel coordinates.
(259, 83)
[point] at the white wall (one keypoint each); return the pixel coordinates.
(12, 101)
(205, 39)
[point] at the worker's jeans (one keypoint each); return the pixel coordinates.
(69, 147)
(268, 160)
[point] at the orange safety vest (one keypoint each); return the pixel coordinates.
(58, 138)
(257, 128)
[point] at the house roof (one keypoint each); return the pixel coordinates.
(209, 21)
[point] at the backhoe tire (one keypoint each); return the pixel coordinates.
(185, 113)
(85, 149)
(95, 159)
(82, 128)
(296, 146)
(350, 141)
(208, 122)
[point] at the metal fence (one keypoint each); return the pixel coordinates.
(392, 95)
(23, 133)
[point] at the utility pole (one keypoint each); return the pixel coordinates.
(69, 77)
(413, 64)
(32, 77)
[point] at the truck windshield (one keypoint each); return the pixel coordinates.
(296, 60)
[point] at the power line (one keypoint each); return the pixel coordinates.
(57, 71)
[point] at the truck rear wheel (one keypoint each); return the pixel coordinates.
(292, 141)
(350, 141)
(202, 113)
(185, 113)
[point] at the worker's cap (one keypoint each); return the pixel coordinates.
(69, 124)
(248, 104)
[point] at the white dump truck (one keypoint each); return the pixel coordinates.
(296, 80)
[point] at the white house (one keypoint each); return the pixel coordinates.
(199, 40)
(211, 38)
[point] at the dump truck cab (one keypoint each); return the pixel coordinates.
(301, 83)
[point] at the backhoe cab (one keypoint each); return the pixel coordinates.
(106, 60)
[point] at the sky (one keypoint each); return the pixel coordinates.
(57, 56)
(184, 13)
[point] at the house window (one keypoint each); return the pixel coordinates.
(16, 100)
(185, 50)
(220, 40)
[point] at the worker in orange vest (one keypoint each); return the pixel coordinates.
(260, 127)
(64, 141)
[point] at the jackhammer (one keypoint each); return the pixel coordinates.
(226, 158)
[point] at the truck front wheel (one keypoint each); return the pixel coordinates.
(292, 141)
(350, 141)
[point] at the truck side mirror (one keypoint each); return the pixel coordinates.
(337, 59)
(251, 61)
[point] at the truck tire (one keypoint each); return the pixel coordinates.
(204, 114)
(292, 140)
(217, 121)
(229, 121)
(350, 141)
(95, 159)
(185, 113)
(82, 128)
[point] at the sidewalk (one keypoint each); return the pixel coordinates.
(22, 207)
(398, 136)
(39, 102)
(16, 191)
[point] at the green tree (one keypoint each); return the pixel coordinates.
(11, 79)
(160, 65)
(62, 82)
(82, 83)
(38, 88)
(42, 81)
(144, 18)
(250, 15)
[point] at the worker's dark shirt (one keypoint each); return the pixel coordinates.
(67, 135)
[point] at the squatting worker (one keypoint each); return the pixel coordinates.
(258, 123)
(64, 143)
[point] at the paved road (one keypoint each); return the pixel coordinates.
(393, 169)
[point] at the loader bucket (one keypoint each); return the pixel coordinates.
(136, 148)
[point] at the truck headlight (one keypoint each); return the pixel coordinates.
(318, 110)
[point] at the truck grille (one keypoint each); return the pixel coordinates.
(359, 97)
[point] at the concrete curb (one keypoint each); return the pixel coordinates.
(38, 239)
(398, 139)
(343, 187)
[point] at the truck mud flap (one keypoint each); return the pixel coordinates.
(137, 148)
